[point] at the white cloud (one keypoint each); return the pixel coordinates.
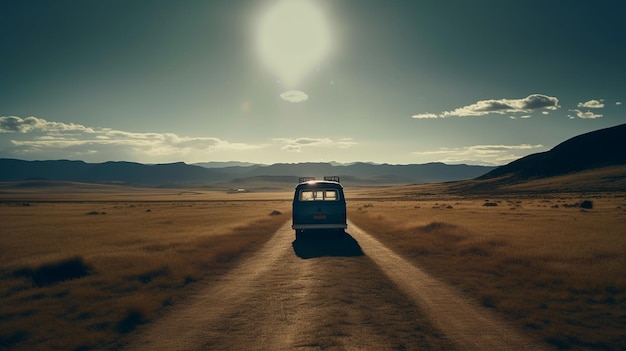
(426, 115)
(12, 124)
(298, 144)
(586, 114)
(592, 104)
(76, 140)
(618, 103)
(481, 154)
(294, 96)
(526, 105)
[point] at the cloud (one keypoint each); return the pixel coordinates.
(56, 138)
(12, 124)
(480, 154)
(618, 103)
(426, 115)
(526, 105)
(506, 106)
(298, 144)
(585, 114)
(294, 96)
(592, 104)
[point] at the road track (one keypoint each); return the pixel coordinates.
(347, 292)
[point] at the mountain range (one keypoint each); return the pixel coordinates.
(181, 174)
(590, 151)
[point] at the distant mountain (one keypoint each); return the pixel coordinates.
(360, 173)
(107, 172)
(593, 150)
(215, 164)
(280, 174)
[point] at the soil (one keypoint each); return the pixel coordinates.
(328, 291)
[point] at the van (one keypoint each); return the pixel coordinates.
(318, 205)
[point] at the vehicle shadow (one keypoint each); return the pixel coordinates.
(326, 243)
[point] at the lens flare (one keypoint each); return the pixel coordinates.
(292, 38)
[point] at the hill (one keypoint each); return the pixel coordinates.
(381, 174)
(593, 150)
(590, 162)
(107, 172)
(280, 174)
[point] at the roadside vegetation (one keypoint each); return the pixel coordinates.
(555, 265)
(82, 275)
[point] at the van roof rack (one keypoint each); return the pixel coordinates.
(326, 178)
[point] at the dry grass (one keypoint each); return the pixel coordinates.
(556, 269)
(81, 275)
(78, 273)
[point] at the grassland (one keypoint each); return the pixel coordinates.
(81, 266)
(81, 270)
(553, 267)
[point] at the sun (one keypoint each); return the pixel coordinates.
(292, 38)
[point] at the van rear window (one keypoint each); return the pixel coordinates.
(318, 195)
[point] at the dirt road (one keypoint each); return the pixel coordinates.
(345, 293)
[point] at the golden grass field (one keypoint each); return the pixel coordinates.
(81, 266)
(552, 267)
(82, 274)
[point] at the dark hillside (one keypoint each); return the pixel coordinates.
(597, 149)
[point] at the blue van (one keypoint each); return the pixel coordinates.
(319, 205)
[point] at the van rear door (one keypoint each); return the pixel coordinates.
(319, 206)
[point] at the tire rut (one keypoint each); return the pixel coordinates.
(322, 293)
(468, 325)
(219, 315)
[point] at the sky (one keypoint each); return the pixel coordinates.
(286, 81)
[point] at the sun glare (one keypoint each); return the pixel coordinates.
(292, 38)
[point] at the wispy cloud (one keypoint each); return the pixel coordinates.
(298, 144)
(585, 114)
(520, 117)
(74, 140)
(592, 104)
(480, 154)
(525, 106)
(12, 124)
(294, 96)
(426, 116)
